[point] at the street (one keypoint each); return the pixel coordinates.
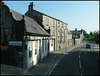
(79, 61)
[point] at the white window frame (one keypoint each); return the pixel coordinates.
(62, 24)
(53, 32)
(36, 47)
(58, 33)
(65, 26)
(58, 24)
(62, 33)
(53, 22)
(47, 21)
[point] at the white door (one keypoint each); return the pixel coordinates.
(29, 53)
(52, 45)
(35, 53)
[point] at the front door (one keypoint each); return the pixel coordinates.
(52, 45)
(35, 52)
(29, 49)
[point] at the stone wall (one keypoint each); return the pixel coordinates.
(12, 30)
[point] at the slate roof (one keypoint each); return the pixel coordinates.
(50, 16)
(32, 27)
(46, 15)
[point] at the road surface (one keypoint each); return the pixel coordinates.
(79, 61)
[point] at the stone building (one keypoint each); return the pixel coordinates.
(56, 28)
(32, 36)
(69, 39)
(77, 36)
(27, 41)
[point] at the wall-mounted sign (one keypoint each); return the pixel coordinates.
(76, 36)
(3, 47)
(15, 43)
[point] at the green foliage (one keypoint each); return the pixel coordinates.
(86, 35)
(96, 36)
(91, 33)
(92, 36)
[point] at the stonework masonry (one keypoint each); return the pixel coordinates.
(58, 29)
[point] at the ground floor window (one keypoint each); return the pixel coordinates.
(36, 47)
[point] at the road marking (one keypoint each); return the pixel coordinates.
(80, 64)
(81, 74)
(55, 65)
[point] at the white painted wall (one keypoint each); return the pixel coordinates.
(29, 59)
(32, 45)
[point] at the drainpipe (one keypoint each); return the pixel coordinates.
(56, 35)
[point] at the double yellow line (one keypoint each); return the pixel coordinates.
(55, 65)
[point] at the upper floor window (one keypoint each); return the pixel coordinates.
(52, 22)
(47, 21)
(62, 33)
(62, 24)
(65, 26)
(58, 23)
(58, 33)
(53, 32)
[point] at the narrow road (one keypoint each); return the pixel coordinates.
(79, 61)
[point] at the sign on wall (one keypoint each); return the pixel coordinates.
(76, 36)
(15, 43)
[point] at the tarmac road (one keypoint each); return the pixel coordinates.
(79, 61)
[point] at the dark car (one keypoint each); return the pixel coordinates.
(88, 45)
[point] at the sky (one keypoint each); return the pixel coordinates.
(78, 14)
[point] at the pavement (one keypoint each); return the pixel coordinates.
(12, 70)
(44, 67)
(48, 63)
(96, 51)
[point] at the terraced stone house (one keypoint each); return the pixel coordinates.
(55, 27)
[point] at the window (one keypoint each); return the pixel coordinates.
(65, 26)
(47, 21)
(62, 33)
(58, 33)
(30, 51)
(62, 24)
(58, 44)
(53, 32)
(36, 47)
(52, 22)
(58, 23)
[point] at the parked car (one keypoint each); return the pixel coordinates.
(88, 45)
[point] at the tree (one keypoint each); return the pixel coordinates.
(96, 36)
(92, 36)
(86, 35)
(91, 33)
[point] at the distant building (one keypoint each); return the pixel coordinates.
(70, 39)
(56, 28)
(77, 35)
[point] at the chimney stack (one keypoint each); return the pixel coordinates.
(31, 6)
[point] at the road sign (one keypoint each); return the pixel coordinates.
(15, 43)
